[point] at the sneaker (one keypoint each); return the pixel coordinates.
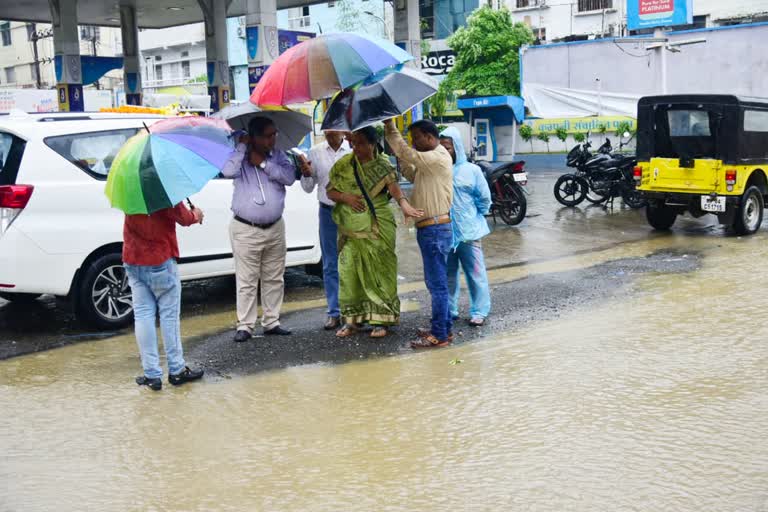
(241, 336)
(277, 331)
(153, 384)
(186, 375)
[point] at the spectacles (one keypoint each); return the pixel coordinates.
(269, 135)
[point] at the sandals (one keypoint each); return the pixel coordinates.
(378, 332)
(347, 330)
(429, 341)
(476, 321)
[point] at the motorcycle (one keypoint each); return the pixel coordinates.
(506, 181)
(598, 178)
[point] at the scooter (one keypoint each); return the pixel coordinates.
(506, 181)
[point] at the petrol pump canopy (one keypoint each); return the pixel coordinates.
(149, 13)
(501, 110)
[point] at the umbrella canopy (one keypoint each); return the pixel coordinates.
(319, 67)
(292, 126)
(161, 167)
(383, 96)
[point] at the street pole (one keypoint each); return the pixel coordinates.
(35, 37)
(93, 43)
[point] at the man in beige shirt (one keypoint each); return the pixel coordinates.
(429, 167)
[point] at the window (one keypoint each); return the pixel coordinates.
(528, 3)
(158, 57)
(33, 71)
(158, 72)
(595, 5)
(31, 28)
(5, 33)
(305, 10)
(756, 121)
(185, 69)
(184, 54)
(11, 151)
(688, 123)
(92, 152)
(89, 33)
(10, 75)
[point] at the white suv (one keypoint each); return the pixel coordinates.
(59, 236)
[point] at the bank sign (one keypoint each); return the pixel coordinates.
(658, 13)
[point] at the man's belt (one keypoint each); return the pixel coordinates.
(256, 224)
(440, 219)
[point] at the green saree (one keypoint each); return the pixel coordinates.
(366, 244)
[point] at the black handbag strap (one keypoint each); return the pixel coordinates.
(362, 189)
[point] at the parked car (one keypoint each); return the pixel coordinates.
(703, 154)
(59, 236)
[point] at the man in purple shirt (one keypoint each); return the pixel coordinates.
(257, 230)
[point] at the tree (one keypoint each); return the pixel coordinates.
(526, 133)
(350, 17)
(487, 54)
(562, 134)
(579, 137)
(544, 137)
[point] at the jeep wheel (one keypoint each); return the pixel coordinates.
(749, 215)
(661, 217)
(103, 297)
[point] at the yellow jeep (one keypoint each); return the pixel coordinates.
(703, 154)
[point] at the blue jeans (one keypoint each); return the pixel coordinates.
(470, 256)
(435, 243)
(157, 288)
(328, 234)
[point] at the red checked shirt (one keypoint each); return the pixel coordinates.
(151, 239)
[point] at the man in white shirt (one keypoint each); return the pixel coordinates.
(315, 172)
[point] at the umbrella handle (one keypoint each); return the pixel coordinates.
(192, 207)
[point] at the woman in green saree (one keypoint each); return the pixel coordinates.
(361, 184)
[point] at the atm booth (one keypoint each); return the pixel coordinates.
(493, 124)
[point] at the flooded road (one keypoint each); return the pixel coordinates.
(652, 399)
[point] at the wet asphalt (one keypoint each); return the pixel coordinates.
(550, 232)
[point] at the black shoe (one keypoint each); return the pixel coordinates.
(332, 323)
(153, 384)
(186, 375)
(241, 336)
(277, 331)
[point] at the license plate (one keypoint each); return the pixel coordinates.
(520, 176)
(713, 204)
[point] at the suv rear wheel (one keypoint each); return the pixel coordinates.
(660, 217)
(749, 215)
(103, 297)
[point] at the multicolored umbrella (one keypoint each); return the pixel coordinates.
(384, 95)
(170, 161)
(319, 67)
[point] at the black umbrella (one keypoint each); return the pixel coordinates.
(383, 96)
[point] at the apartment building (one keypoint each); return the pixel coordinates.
(573, 20)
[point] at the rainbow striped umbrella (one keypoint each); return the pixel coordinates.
(161, 166)
(319, 67)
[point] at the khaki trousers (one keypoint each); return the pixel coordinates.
(259, 256)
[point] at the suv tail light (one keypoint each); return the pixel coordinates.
(637, 173)
(730, 179)
(13, 199)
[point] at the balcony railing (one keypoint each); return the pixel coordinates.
(595, 5)
(521, 4)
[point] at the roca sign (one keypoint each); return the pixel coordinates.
(438, 63)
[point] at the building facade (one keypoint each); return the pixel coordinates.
(26, 54)
(572, 20)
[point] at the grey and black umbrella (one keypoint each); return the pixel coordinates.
(383, 96)
(292, 126)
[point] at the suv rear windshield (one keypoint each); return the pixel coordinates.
(92, 152)
(11, 151)
(686, 132)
